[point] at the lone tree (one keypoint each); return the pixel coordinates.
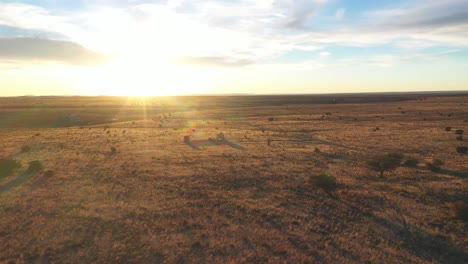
(385, 163)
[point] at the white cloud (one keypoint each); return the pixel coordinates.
(324, 54)
(340, 13)
(240, 32)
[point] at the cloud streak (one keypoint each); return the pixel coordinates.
(215, 61)
(36, 49)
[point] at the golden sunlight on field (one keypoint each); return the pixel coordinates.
(258, 179)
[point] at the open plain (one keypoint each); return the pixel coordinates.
(118, 184)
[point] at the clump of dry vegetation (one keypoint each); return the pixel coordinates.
(384, 163)
(435, 165)
(459, 209)
(459, 133)
(462, 150)
(49, 173)
(411, 162)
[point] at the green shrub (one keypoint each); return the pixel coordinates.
(448, 129)
(411, 162)
(325, 181)
(35, 166)
(7, 166)
(385, 163)
(434, 165)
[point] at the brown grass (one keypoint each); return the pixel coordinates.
(156, 200)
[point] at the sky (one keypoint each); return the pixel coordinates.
(174, 47)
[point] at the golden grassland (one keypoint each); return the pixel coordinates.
(156, 200)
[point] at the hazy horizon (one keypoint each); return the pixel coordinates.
(178, 47)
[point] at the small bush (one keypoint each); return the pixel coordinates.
(411, 162)
(459, 209)
(113, 150)
(434, 165)
(35, 166)
(324, 181)
(271, 119)
(385, 163)
(7, 166)
(25, 149)
(462, 150)
(448, 129)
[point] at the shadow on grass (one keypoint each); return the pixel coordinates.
(200, 144)
(420, 243)
(17, 181)
(459, 174)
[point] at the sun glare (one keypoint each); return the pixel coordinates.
(138, 77)
(147, 61)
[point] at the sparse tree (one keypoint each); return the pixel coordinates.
(385, 163)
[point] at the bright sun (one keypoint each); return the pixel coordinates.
(137, 77)
(147, 61)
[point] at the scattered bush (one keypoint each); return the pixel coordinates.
(411, 162)
(271, 119)
(459, 209)
(35, 166)
(448, 129)
(385, 163)
(462, 150)
(324, 181)
(459, 132)
(25, 149)
(7, 166)
(434, 165)
(113, 150)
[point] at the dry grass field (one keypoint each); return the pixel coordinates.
(119, 185)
